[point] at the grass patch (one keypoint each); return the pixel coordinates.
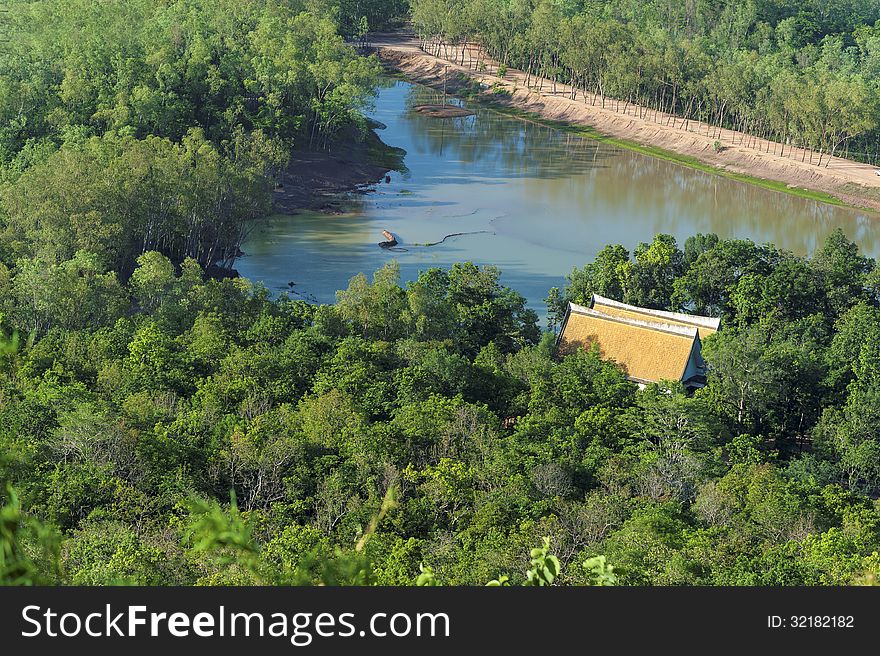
(466, 87)
(858, 190)
(391, 75)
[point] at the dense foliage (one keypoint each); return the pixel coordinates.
(150, 67)
(430, 433)
(806, 73)
(148, 125)
(160, 426)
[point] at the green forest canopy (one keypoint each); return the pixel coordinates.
(160, 426)
(124, 433)
(160, 125)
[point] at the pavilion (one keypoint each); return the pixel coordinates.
(650, 345)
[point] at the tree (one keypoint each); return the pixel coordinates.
(678, 433)
(377, 308)
(28, 548)
(152, 279)
(488, 312)
(790, 291)
(657, 265)
(765, 384)
(608, 275)
(843, 270)
(76, 293)
(706, 286)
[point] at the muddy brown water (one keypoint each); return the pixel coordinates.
(532, 200)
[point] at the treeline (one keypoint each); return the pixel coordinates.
(358, 17)
(430, 433)
(162, 68)
(134, 126)
(117, 197)
(804, 74)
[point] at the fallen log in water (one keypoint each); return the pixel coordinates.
(456, 234)
(391, 240)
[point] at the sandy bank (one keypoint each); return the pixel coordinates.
(315, 179)
(849, 182)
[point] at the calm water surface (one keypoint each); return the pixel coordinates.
(540, 200)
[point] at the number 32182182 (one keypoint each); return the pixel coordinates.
(811, 622)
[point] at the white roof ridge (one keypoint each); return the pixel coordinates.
(685, 331)
(695, 319)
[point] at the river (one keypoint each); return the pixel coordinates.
(538, 200)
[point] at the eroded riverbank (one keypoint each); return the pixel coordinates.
(314, 180)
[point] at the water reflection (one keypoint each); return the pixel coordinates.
(548, 199)
(489, 142)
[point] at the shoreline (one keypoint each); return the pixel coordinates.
(315, 179)
(318, 180)
(851, 184)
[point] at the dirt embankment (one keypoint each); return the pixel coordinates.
(315, 178)
(851, 182)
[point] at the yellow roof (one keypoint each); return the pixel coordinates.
(648, 351)
(706, 325)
